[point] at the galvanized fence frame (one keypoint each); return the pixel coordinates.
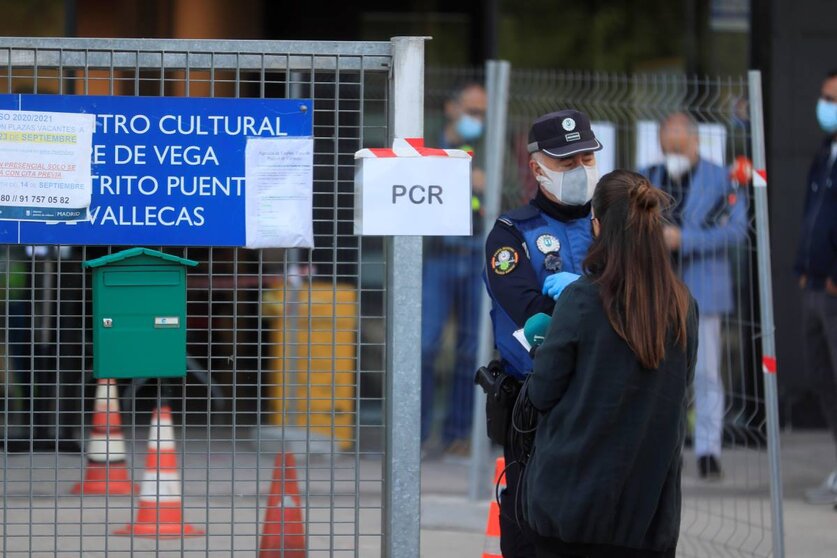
(768, 339)
(388, 80)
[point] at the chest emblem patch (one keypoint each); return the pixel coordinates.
(504, 260)
(547, 243)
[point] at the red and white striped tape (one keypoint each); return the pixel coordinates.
(760, 178)
(409, 147)
(768, 365)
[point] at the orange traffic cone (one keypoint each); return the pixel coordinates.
(491, 548)
(106, 472)
(284, 532)
(160, 509)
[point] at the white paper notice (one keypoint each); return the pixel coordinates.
(45, 165)
(521, 338)
(279, 177)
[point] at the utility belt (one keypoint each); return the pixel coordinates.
(501, 392)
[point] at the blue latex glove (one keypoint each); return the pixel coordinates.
(557, 282)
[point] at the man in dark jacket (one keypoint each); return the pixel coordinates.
(816, 267)
(531, 254)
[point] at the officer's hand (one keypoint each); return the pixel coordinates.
(557, 282)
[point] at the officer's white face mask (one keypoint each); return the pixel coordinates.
(573, 187)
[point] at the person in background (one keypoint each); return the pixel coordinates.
(19, 382)
(531, 254)
(451, 284)
(612, 381)
(707, 219)
(816, 268)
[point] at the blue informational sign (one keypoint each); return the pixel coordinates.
(167, 171)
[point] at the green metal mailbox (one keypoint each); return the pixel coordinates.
(139, 314)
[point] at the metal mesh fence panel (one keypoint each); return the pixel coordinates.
(727, 514)
(285, 347)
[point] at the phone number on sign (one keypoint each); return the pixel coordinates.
(34, 199)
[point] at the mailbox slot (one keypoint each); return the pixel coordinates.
(148, 278)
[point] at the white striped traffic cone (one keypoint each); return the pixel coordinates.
(106, 472)
(160, 507)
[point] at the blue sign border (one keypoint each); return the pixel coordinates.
(167, 171)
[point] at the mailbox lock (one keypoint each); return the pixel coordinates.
(107, 322)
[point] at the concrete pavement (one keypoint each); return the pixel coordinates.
(727, 518)
(226, 481)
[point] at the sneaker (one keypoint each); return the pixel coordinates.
(709, 468)
(826, 493)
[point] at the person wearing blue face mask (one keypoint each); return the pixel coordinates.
(816, 268)
(451, 288)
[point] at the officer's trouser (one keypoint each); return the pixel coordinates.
(514, 538)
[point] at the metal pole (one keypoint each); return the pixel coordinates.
(402, 462)
(768, 341)
(45, 378)
(497, 74)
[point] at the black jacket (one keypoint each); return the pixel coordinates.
(607, 459)
(816, 256)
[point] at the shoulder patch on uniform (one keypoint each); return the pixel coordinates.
(522, 213)
(504, 260)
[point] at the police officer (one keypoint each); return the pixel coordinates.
(532, 253)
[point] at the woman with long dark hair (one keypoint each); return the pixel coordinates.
(611, 380)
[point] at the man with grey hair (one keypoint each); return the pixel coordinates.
(708, 219)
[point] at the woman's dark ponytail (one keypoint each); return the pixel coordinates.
(629, 259)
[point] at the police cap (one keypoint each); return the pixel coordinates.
(563, 134)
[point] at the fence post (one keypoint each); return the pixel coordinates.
(768, 341)
(402, 462)
(497, 74)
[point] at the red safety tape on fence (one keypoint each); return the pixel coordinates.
(415, 142)
(383, 152)
(410, 147)
(760, 178)
(768, 365)
(432, 152)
